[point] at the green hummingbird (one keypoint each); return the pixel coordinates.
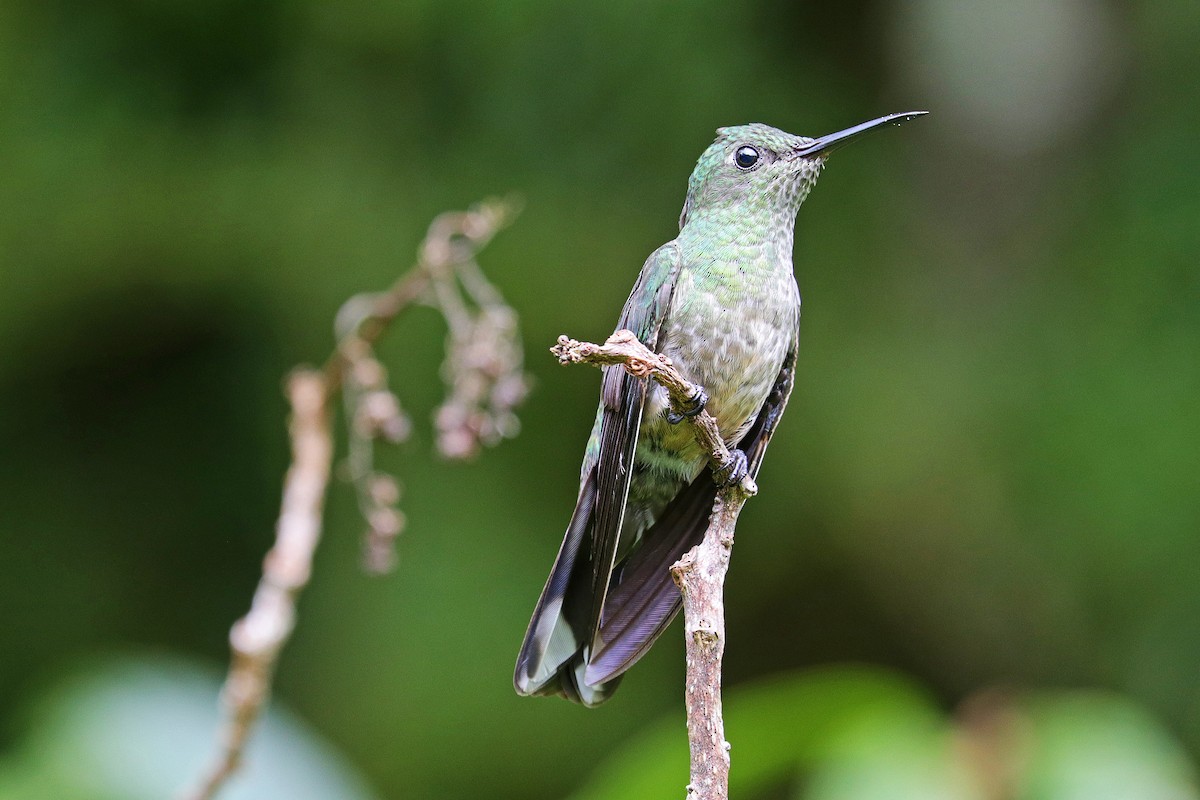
(721, 301)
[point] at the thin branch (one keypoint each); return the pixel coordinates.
(485, 379)
(257, 638)
(700, 574)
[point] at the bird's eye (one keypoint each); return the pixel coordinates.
(745, 157)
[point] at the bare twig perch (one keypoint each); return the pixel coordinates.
(485, 380)
(700, 574)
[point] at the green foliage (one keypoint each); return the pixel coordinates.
(858, 734)
(133, 728)
(775, 727)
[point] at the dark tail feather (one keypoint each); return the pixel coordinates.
(553, 656)
(644, 600)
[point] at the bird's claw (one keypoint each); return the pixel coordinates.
(694, 405)
(732, 471)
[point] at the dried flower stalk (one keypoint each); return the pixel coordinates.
(485, 382)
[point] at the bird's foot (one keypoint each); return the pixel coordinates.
(732, 471)
(694, 405)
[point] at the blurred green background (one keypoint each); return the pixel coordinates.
(986, 485)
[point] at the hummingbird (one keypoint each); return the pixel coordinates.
(721, 301)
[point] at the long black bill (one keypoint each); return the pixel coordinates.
(825, 145)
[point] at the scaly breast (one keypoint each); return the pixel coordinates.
(729, 329)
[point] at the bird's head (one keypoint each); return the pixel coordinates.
(756, 169)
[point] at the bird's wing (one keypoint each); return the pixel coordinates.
(645, 599)
(622, 398)
(568, 612)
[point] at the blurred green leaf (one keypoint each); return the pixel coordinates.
(142, 728)
(851, 733)
(888, 762)
(776, 728)
(1095, 746)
